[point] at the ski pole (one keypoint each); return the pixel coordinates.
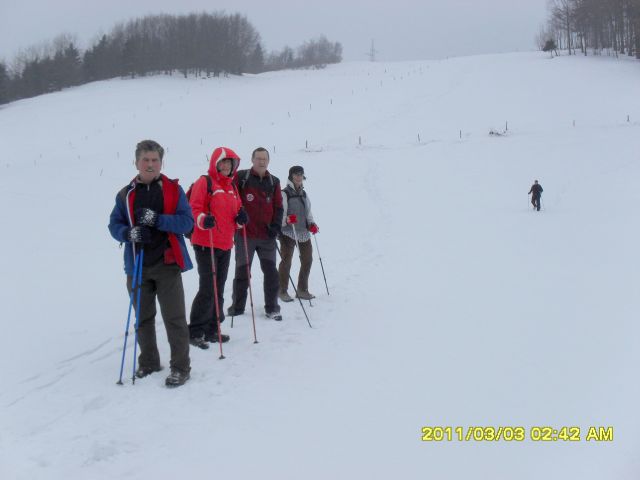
(321, 265)
(295, 290)
(126, 331)
(215, 293)
(246, 257)
(295, 237)
(135, 345)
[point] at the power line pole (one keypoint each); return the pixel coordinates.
(372, 52)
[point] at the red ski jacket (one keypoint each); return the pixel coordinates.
(223, 203)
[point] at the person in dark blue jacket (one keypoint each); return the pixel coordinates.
(152, 214)
(536, 192)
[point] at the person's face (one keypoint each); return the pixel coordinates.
(260, 162)
(225, 166)
(149, 166)
(297, 179)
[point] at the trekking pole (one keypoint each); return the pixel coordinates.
(295, 290)
(295, 237)
(322, 266)
(215, 293)
(246, 257)
(126, 331)
(135, 345)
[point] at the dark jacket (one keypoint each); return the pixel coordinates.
(536, 190)
(262, 199)
(176, 220)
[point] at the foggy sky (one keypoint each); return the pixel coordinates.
(402, 29)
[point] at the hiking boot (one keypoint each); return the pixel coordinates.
(274, 316)
(304, 295)
(214, 338)
(142, 372)
(284, 296)
(200, 342)
(176, 378)
(232, 312)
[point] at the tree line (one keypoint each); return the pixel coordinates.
(599, 26)
(204, 44)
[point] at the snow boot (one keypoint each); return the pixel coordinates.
(214, 338)
(274, 316)
(284, 296)
(200, 342)
(304, 295)
(142, 372)
(232, 312)
(176, 378)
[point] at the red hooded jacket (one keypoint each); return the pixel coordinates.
(224, 203)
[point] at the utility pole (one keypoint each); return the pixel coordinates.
(372, 52)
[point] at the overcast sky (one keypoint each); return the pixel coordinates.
(402, 29)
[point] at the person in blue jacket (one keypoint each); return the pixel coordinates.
(151, 215)
(536, 192)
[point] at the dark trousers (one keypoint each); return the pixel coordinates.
(535, 201)
(203, 319)
(266, 250)
(287, 247)
(164, 282)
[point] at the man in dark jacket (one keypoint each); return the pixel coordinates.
(262, 200)
(536, 192)
(150, 216)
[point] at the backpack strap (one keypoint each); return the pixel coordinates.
(288, 193)
(245, 178)
(209, 184)
(209, 191)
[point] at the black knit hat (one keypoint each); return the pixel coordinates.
(296, 169)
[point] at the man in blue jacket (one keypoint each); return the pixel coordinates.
(536, 192)
(152, 214)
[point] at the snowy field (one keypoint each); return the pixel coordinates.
(452, 302)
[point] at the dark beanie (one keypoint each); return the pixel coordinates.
(296, 169)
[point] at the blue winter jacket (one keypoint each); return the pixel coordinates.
(179, 223)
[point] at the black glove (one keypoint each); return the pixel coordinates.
(273, 230)
(209, 222)
(146, 217)
(242, 218)
(139, 235)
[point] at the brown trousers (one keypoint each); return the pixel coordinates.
(165, 283)
(287, 246)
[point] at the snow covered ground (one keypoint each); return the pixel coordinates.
(452, 303)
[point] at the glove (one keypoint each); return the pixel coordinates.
(273, 230)
(208, 222)
(139, 235)
(242, 218)
(292, 219)
(146, 217)
(313, 228)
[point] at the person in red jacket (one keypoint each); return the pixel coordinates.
(217, 211)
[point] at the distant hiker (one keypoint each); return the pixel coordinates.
(536, 193)
(151, 215)
(297, 225)
(216, 207)
(262, 199)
